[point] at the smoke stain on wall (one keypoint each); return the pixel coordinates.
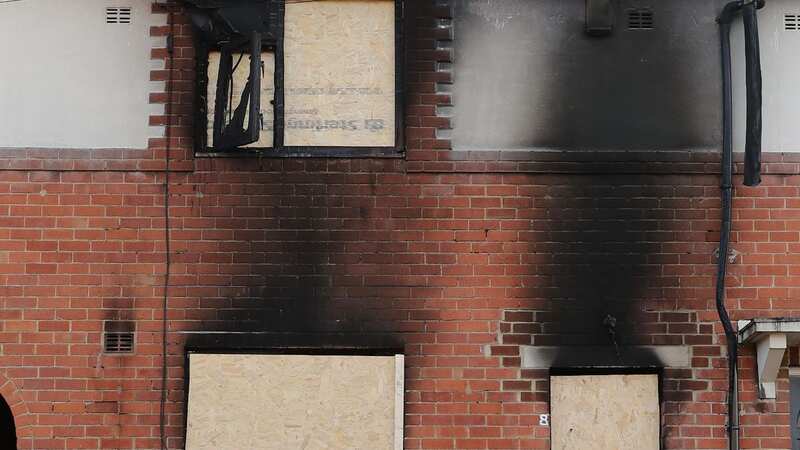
(526, 76)
(604, 236)
(302, 249)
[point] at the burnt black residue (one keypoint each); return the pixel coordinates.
(607, 239)
(526, 75)
(287, 277)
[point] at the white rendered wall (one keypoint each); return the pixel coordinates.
(780, 64)
(69, 80)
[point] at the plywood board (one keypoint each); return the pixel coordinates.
(240, 76)
(340, 73)
(294, 402)
(604, 412)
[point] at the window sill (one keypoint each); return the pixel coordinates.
(309, 152)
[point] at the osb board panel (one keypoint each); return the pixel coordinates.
(604, 412)
(239, 77)
(340, 73)
(291, 402)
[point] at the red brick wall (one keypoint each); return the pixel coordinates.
(445, 262)
(461, 257)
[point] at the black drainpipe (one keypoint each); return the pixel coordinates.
(752, 175)
(752, 149)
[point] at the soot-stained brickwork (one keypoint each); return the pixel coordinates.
(459, 258)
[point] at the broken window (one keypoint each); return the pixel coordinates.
(240, 119)
(297, 76)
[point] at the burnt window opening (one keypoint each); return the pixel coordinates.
(640, 19)
(118, 15)
(238, 123)
(118, 337)
(791, 22)
(236, 33)
(310, 78)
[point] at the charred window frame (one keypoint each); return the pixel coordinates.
(231, 131)
(232, 140)
(239, 31)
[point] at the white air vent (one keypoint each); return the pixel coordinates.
(118, 15)
(791, 22)
(640, 19)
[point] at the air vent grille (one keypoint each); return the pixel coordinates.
(118, 15)
(640, 19)
(118, 342)
(791, 22)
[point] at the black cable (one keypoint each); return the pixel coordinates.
(162, 417)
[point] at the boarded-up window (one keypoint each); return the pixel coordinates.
(335, 68)
(340, 73)
(605, 412)
(294, 401)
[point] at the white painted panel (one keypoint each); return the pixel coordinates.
(780, 64)
(70, 80)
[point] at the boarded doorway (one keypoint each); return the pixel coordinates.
(605, 412)
(8, 432)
